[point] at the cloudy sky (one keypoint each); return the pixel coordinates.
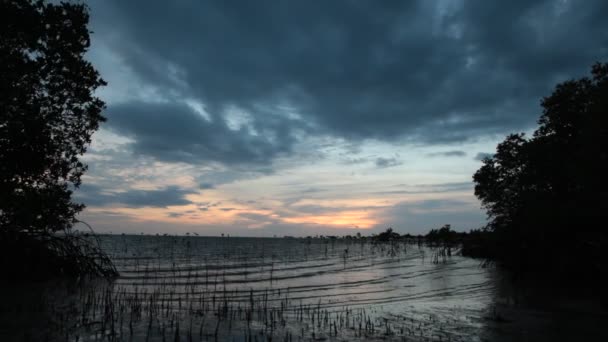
(317, 117)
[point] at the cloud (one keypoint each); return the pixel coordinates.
(354, 161)
(382, 163)
(482, 155)
(455, 153)
(160, 198)
(174, 132)
(323, 209)
(415, 70)
(257, 217)
(438, 188)
(206, 186)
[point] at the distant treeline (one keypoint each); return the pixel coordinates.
(443, 236)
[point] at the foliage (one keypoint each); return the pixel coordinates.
(548, 192)
(444, 235)
(388, 235)
(48, 113)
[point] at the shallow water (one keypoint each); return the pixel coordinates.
(258, 289)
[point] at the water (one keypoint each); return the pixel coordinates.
(256, 289)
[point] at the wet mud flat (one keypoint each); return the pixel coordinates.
(263, 289)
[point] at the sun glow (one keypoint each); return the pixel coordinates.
(345, 219)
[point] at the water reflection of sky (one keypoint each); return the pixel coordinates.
(395, 284)
(452, 300)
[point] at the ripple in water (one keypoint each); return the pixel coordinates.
(257, 289)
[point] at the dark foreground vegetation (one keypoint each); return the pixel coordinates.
(546, 195)
(47, 115)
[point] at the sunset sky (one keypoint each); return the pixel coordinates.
(262, 118)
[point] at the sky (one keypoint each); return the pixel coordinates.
(263, 118)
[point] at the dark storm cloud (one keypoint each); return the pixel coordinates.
(431, 72)
(176, 133)
(161, 198)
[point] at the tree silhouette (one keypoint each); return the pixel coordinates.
(548, 194)
(48, 113)
(388, 235)
(444, 235)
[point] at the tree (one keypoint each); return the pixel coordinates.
(48, 113)
(443, 236)
(546, 193)
(388, 235)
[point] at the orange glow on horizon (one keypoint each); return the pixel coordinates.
(345, 219)
(190, 214)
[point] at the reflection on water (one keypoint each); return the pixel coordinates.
(251, 289)
(546, 310)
